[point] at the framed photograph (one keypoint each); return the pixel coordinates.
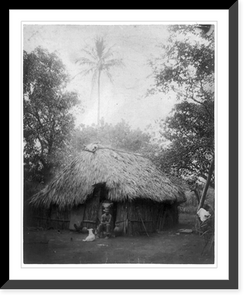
(123, 135)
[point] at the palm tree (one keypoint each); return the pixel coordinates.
(97, 60)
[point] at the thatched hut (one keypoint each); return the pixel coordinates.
(141, 197)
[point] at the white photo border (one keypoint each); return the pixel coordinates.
(170, 272)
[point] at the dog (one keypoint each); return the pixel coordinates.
(91, 236)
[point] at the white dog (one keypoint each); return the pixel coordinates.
(90, 237)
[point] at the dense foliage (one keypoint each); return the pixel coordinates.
(46, 109)
(120, 136)
(185, 70)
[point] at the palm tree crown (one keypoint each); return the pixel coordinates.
(98, 59)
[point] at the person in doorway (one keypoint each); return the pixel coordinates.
(105, 223)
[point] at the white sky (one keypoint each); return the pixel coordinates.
(125, 97)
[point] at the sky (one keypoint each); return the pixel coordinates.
(124, 97)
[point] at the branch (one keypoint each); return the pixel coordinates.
(36, 116)
(42, 147)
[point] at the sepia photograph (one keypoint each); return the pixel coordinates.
(118, 143)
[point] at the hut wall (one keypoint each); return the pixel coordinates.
(59, 219)
(121, 220)
(167, 216)
(49, 218)
(137, 217)
(91, 215)
(37, 217)
(76, 216)
(141, 216)
(127, 216)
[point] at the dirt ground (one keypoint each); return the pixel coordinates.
(167, 247)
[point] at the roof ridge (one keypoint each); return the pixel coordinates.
(93, 147)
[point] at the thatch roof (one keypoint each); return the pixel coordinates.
(127, 176)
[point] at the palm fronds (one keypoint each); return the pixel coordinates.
(85, 61)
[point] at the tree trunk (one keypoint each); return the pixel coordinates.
(194, 188)
(204, 193)
(197, 195)
(98, 120)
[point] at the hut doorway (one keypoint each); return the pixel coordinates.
(112, 208)
(91, 217)
(86, 215)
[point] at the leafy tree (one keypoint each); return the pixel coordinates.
(46, 107)
(96, 60)
(191, 133)
(186, 66)
(119, 136)
(185, 70)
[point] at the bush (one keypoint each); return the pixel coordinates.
(190, 206)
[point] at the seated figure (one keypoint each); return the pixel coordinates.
(105, 224)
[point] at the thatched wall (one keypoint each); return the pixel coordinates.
(50, 218)
(129, 218)
(145, 216)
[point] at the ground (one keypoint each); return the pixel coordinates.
(167, 247)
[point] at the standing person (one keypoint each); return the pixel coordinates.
(105, 223)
